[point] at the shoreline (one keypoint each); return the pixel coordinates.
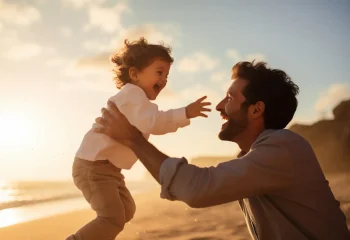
(155, 218)
(37, 211)
(32, 212)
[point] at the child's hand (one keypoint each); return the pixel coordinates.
(196, 108)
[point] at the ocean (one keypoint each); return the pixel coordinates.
(24, 201)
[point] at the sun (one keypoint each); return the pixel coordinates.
(17, 129)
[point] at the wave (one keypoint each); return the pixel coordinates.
(19, 203)
(17, 194)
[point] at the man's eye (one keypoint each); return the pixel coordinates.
(159, 72)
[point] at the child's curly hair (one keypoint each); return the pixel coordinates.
(138, 54)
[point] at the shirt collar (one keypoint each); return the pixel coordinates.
(260, 138)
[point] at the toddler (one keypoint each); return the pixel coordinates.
(140, 72)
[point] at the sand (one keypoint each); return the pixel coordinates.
(161, 219)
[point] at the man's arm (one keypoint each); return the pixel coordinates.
(265, 170)
(149, 155)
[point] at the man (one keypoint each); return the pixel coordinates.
(276, 178)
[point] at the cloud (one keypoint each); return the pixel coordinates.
(81, 69)
(108, 19)
(12, 47)
(41, 2)
(49, 51)
(301, 119)
(97, 61)
(198, 61)
(19, 14)
(154, 33)
(72, 68)
(66, 32)
(97, 45)
(77, 78)
(192, 93)
(219, 76)
(237, 56)
(234, 54)
(225, 86)
(56, 62)
(331, 97)
(166, 33)
(256, 57)
(8, 37)
(24, 51)
(173, 99)
(90, 85)
(105, 18)
(78, 4)
(167, 94)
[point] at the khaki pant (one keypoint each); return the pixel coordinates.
(103, 187)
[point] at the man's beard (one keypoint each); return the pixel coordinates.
(234, 126)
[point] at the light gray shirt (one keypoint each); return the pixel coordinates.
(279, 185)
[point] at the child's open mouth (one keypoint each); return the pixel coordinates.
(157, 87)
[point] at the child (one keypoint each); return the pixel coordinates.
(141, 71)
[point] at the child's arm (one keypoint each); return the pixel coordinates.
(145, 115)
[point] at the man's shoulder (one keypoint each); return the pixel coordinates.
(283, 137)
(286, 134)
(287, 143)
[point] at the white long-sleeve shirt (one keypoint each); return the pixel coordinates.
(132, 101)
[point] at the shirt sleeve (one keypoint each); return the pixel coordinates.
(264, 170)
(146, 116)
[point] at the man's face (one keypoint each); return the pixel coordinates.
(231, 111)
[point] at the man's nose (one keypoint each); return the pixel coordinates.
(220, 106)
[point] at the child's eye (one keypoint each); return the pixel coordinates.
(159, 72)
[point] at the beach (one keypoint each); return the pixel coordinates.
(157, 218)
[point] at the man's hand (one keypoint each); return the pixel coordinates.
(197, 108)
(116, 126)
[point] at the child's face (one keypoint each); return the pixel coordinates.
(153, 78)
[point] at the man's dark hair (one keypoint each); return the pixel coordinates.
(271, 86)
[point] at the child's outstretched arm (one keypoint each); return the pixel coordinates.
(197, 108)
(147, 117)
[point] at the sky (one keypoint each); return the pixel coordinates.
(55, 75)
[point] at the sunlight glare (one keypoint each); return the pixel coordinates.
(8, 217)
(17, 129)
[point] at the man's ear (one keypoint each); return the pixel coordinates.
(133, 74)
(258, 109)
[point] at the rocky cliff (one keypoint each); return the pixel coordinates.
(330, 139)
